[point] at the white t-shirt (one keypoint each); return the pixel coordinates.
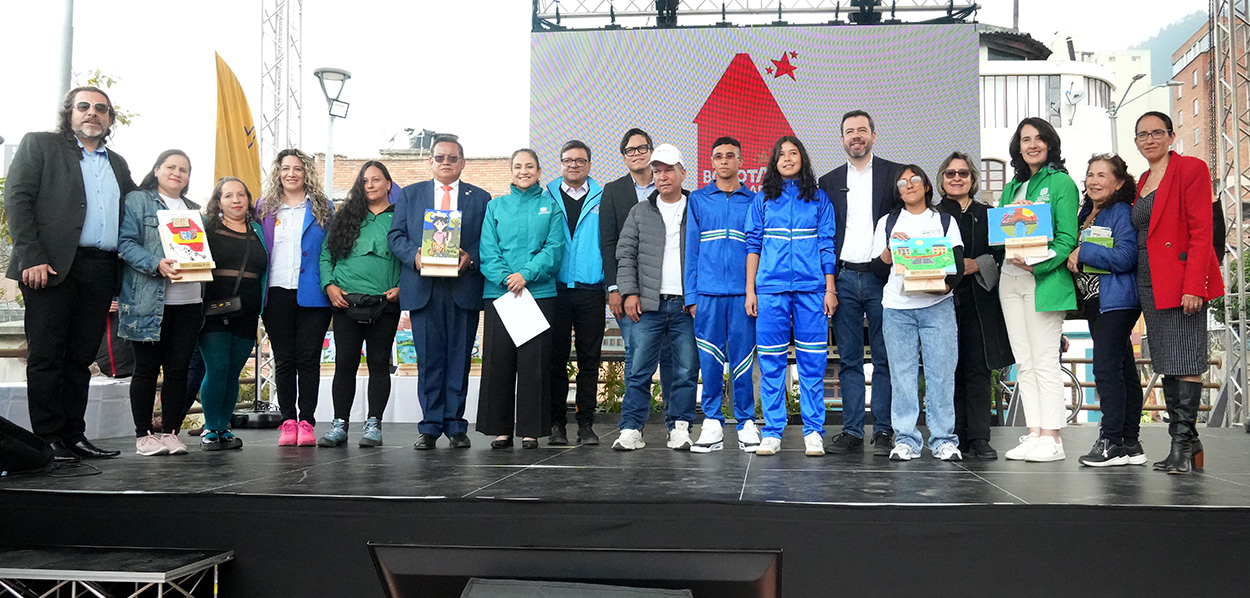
(1009, 268)
(857, 240)
(288, 232)
(181, 293)
(671, 275)
(928, 224)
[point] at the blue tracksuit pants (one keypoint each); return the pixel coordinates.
(804, 311)
(725, 334)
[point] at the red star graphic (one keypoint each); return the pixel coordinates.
(794, 54)
(769, 70)
(784, 67)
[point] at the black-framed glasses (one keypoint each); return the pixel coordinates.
(574, 161)
(100, 107)
(450, 159)
(951, 173)
(914, 180)
(728, 156)
(637, 150)
(1156, 134)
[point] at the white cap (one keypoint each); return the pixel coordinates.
(667, 153)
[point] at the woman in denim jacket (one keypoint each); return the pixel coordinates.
(161, 316)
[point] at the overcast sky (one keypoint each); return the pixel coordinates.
(451, 66)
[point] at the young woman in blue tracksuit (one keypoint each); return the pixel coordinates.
(790, 286)
(1112, 307)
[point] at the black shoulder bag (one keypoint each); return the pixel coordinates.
(231, 304)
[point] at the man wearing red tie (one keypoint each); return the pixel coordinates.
(443, 310)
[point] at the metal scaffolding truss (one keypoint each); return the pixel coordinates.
(1229, 30)
(281, 94)
(641, 13)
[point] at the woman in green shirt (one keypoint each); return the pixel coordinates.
(361, 276)
(521, 249)
(1036, 295)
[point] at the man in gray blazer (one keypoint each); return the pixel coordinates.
(64, 199)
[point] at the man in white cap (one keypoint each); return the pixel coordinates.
(650, 265)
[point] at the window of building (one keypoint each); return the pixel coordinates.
(1195, 107)
(1180, 119)
(993, 177)
(1197, 136)
(1180, 146)
(1008, 99)
(1195, 77)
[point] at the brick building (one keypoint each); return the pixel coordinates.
(1193, 102)
(413, 166)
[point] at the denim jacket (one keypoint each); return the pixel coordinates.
(141, 303)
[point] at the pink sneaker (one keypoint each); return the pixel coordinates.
(174, 444)
(289, 434)
(307, 435)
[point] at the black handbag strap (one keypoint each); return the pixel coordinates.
(247, 251)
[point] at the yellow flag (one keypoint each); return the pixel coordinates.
(238, 153)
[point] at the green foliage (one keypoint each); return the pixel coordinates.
(613, 388)
(1217, 304)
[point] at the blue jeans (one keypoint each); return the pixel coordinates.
(667, 330)
(666, 361)
(928, 332)
(859, 295)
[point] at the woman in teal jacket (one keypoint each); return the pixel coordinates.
(522, 247)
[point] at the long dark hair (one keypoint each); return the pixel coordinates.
(212, 209)
(1127, 192)
(897, 205)
(345, 225)
(1047, 133)
(64, 122)
(807, 177)
(149, 180)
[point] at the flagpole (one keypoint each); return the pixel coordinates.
(67, 49)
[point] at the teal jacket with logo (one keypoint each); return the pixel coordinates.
(524, 232)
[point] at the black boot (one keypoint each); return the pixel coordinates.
(1185, 455)
(1169, 401)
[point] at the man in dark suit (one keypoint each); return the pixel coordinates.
(64, 199)
(862, 191)
(443, 310)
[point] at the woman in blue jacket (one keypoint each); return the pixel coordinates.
(790, 286)
(160, 315)
(1112, 308)
(294, 214)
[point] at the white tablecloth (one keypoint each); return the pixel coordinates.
(402, 407)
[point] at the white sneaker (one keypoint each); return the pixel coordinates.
(902, 452)
(814, 445)
(174, 444)
(948, 452)
(1044, 450)
(749, 437)
(711, 437)
(769, 446)
(1022, 449)
(629, 440)
(150, 446)
(679, 436)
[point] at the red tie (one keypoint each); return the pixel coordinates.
(446, 198)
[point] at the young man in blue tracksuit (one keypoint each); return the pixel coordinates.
(579, 295)
(790, 286)
(715, 285)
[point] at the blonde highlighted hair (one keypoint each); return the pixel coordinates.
(272, 199)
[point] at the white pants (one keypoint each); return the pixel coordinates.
(1035, 337)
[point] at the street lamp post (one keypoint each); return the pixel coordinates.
(332, 83)
(1114, 110)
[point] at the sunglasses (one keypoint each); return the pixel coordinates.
(451, 159)
(951, 173)
(100, 107)
(914, 180)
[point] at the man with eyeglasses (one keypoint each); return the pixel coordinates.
(715, 287)
(443, 310)
(64, 200)
(862, 191)
(579, 295)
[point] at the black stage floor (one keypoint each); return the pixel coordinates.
(299, 519)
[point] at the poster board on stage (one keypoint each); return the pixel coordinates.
(183, 240)
(440, 243)
(923, 262)
(1023, 230)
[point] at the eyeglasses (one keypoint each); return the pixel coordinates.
(1156, 134)
(574, 161)
(100, 107)
(914, 180)
(729, 156)
(450, 159)
(951, 173)
(637, 150)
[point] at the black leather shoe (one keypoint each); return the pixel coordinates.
(982, 450)
(460, 440)
(61, 453)
(531, 443)
(559, 436)
(586, 435)
(882, 444)
(85, 450)
(425, 442)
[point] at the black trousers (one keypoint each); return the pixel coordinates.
(180, 329)
(580, 313)
(64, 325)
(377, 337)
(295, 335)
(1115, 372)
(516, 381)
(972, 378)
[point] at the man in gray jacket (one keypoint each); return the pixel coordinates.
(649, 272)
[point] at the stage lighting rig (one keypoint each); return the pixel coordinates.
(868, 13)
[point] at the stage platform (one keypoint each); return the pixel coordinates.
(299, 519)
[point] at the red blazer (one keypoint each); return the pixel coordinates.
(1182, 258)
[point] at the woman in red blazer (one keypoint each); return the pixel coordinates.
(1177, 273)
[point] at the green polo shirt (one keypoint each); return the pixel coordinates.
(370, 268)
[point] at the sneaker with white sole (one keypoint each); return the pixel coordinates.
(629, 440)
(711, 437)
(1044, 450)
(948, 452)
(769, 446)
(1022, 449)
(814, 445)
(1136, 454)
(902, 452)
(174, 444)
(749, 437)
(679, 436)
(150, 446)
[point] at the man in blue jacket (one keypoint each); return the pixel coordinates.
(443, 310)
(715, 288)
(579, 295)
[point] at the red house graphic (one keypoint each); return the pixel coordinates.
(741, 106)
